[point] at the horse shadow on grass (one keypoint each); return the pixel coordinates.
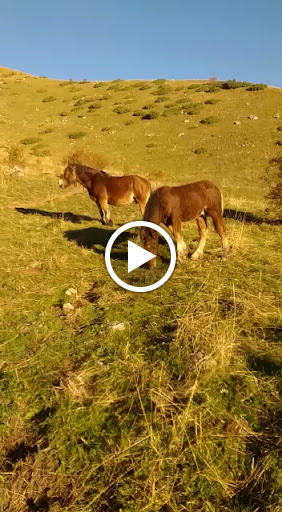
(90, 238)
(249, 217)
(66, 216)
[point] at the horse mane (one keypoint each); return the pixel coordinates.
(84, 170)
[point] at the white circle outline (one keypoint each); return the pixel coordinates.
(130, 287)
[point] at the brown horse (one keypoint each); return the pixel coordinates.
(173, 205)
(106, 189)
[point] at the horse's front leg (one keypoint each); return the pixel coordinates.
(105, 212)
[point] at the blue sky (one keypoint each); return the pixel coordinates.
(109, 39)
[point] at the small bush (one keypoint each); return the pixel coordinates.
(76, 135)
(200, 151)
(138, 113)
(73, 88)
(63, 114)
(145, 87)
(212, 101)
(98, 84)
(162, 99)
(279, 128)
(47, 99)
(193, 109)
(151, 145)
(84, 81)
(179, 88)
(30, 140)
(209, 88)
(106, 129)
(173, 111)
(82, 101)
(114, 87)
(233, 84)
(41, 90)
(128, 123)
(63, 84)
(105, 97)
(16, 155)
(210, 120)
(159, 81)
(193, 86)
(171, 105)
(88, 158)
(40, 152)
(151, 115)
(46, 130)
(148, 107)
(279, 143)
(257, 87)
(94, 106)
(182, 101)
(162, 90)
(121, 109)
(129, 101)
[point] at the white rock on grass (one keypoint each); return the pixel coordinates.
(117, 326)
(186, 121)
(71, 291)
(253, 118)
(237, 123)
(276, 116)
(17, 171)
(68, 307)
(181, 134)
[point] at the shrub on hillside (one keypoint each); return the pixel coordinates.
(162, 99)
(48, 99)
(193, 86)
(88, 158)
(151, 115)
(257, 87)
(181, 101)
(193, 109)
(63, 84)
(106, 129)
(159, 81)
(41, 90)
(162, 90)
(63, 114)
(138, 113)
(279, 143)
(209, 88)
(16, 155)
(82, 101)
(210, 120)
(46, 130)
(148, 106)
(279, 128)
(76, 135)
(200, 151)
(121, 109)
(233, 84)
(94, 106)
(29, 140)
(273, 180)
(172, 111)
(212, 101)
(145, 87)
(98, 84)
(129, 122)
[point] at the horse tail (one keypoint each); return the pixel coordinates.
(141, 189)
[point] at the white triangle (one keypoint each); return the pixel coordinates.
(137, 256)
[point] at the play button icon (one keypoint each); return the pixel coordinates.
(137, 256)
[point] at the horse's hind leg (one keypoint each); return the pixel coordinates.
(220, 228)
(175, 228)
(203, 232)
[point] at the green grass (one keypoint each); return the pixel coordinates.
(181, 410)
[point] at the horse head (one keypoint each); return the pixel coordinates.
(68, 177)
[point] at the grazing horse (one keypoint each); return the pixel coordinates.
(106, 189)
(173, 205)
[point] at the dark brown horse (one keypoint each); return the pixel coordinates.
(173, 205)
(107, 190)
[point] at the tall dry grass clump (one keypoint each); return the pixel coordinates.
(84, 157)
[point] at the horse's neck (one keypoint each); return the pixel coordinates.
(84, 179)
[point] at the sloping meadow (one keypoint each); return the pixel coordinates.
(110, 400)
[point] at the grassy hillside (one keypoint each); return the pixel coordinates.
(180, 408)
